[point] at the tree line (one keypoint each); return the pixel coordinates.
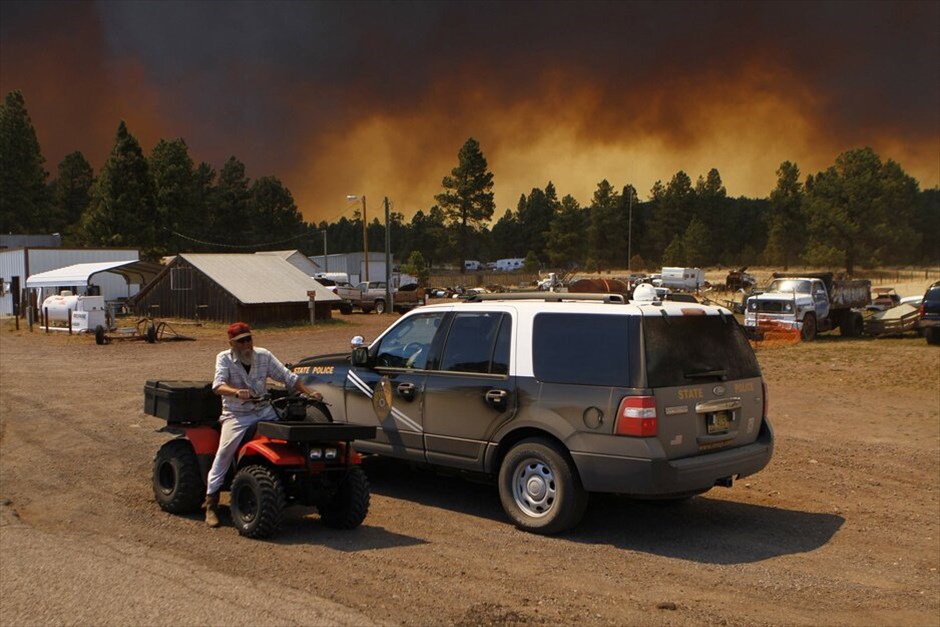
(859, 211)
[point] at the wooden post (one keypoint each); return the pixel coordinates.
(46, 318)
(70, 321)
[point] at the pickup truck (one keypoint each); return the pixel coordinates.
(809, 303)
(371, 296)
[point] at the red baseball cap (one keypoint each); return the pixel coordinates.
(238, 330)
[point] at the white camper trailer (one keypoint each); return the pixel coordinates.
(690, 279)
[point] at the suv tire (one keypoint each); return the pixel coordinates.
(540, 489)
(932, 334)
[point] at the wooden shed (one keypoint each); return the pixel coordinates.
(227, 287)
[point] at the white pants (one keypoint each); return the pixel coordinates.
(234, 427)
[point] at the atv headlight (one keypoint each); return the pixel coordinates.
(316, 454)
(331, 453)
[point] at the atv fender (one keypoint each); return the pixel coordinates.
(277, 453)
(203, 439)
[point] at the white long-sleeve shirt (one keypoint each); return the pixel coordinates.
(230, 371)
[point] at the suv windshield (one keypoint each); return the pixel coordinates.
(681, 350)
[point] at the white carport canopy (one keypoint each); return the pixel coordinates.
(80, 274)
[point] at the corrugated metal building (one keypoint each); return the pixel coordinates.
(352, 264)
(18, 264)
(228, 287)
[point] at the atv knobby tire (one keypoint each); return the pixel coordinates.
(350, 504)
(257, 502)
(177, 481)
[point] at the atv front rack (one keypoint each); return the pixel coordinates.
(314, 432)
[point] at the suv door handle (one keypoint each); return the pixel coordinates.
(406, 390)
(496, 397)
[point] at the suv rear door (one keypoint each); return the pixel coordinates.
(468, 392)
(706, 381)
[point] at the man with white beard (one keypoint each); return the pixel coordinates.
(241, 374)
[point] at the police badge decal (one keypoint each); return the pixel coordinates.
(382, 398)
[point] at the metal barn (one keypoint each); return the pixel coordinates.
(228, 287)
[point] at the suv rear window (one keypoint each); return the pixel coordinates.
(681, 350)
(583, 349)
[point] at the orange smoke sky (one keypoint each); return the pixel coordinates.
(377, 98)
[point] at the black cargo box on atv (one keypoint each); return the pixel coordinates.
(190, 402)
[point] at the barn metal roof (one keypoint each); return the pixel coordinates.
(294, 258)
(257, 279)
(133, 271)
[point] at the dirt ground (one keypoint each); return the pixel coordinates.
(842, 528)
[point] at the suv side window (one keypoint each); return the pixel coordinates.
(581, 349)
(477, 342)
(409, 343)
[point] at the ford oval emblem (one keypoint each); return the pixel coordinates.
(718, 390)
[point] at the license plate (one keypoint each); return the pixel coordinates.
(719, 422)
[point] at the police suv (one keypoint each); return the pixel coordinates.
(558, 395)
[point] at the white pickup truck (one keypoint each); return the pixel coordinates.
(808, 303)
(371, 296)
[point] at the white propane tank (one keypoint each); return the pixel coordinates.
(58, 307)
(87, 311)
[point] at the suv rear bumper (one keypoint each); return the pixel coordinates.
(664, 477)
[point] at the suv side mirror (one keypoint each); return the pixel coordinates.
(360, 356)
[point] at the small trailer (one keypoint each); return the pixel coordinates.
(146, 329)
(894, 321)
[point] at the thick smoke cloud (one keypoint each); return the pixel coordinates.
(376, 98)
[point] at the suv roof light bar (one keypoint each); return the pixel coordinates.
(549, 296)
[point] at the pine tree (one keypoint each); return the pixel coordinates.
(467, 200)
(71, 195)
(174, 182)
(122, 210)
(24, 197)
(786, 232)
(274, 214)
(861, 210)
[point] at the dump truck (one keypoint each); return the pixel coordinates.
(808, 303)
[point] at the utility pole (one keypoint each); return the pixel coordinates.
(630, 234)
(326, 259)
(388, 262)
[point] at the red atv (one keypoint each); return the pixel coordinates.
(303, 458)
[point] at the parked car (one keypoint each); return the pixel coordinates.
(557, 395)
(930, 314)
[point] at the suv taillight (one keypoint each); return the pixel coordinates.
(636, 416)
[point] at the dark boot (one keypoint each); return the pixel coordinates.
(212, 510)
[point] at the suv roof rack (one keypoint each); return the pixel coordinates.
(549, 297)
